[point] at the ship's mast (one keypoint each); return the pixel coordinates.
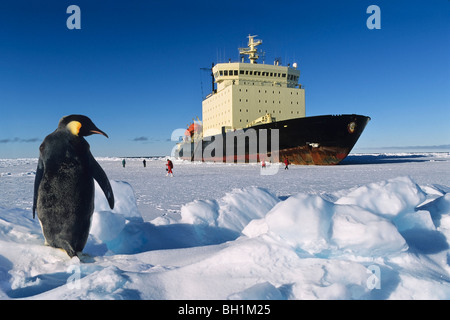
(251, 51)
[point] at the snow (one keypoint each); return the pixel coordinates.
(375, 227)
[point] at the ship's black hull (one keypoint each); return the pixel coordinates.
(319, 140)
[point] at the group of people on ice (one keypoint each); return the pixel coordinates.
(169, 165)
(286, 164)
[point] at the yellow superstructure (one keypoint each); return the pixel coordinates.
(249, 93)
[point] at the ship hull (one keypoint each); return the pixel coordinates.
(318, 140)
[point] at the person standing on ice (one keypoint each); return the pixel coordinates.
(123, 163)
(286, 163)
(169, 165)
(145, 163)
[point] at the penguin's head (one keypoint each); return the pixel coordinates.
(79, 125)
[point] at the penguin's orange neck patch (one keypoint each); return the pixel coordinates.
(74, 127)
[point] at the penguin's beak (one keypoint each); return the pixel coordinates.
(98, 131)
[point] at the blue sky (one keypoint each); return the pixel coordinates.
(135, 66)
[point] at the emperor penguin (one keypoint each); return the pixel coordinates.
(64, 184)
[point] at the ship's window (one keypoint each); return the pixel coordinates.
(241, 71)
(284, 75)
(235, 72)
(246, 71)
(279, 75)
(225, 72)
(271, 74)
(263, 74)
(221, 72)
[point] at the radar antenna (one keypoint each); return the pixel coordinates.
(251, 51)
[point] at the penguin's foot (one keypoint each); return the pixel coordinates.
(65, 245)
(85, 258)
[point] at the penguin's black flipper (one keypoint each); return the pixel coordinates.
(37, 182)
(100, 176)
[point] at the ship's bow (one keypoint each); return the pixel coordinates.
(326, 140)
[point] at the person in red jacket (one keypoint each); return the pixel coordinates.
(169, 165)
(286, 163)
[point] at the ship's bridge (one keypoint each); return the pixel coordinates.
(226, 74)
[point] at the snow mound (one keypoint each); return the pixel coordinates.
(359, 222)
(303, 221)
(106, 224)
(123, 231)
(365, 233)
(387, 198)
(124, 200)
(234, 211)
(313, 225)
